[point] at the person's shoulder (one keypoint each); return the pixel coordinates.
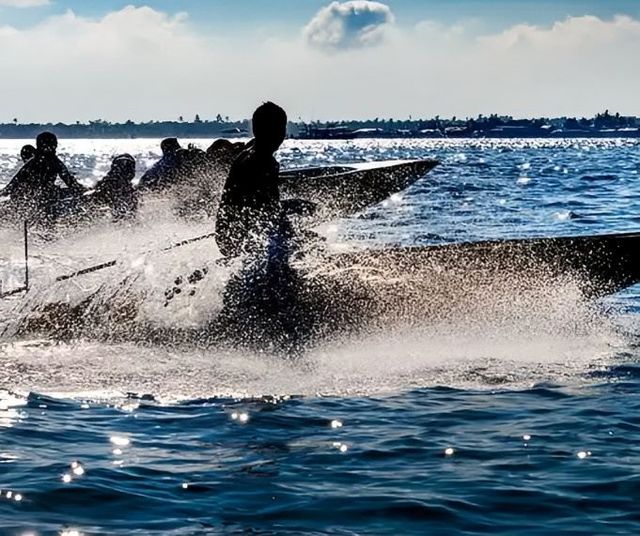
(246, 159)
(30, 166)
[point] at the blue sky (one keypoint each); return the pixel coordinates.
(228, 16)
(70, 60)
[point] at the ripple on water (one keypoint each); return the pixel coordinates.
(518, 420)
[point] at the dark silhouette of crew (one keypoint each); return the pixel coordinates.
(163, 173)
(264, 300)
(223, 152)
(250, 213)
(251, 217)
(34, 186)
(27, 153)
(116, 189)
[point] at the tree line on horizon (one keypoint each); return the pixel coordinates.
(225, 127)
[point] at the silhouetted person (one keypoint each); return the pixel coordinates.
(222, 151)
(35, 183)
(250, 213)
(163, 172)
(262, 300)
(27, 153)
(116, 189)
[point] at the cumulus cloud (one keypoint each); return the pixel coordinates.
(23, 3)
(353, 24)
(139, 63)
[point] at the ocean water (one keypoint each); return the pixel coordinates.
(519, 417)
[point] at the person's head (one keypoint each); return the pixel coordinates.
(124, 166)
(220, 148)
(47, 142)
(269, 126)
(27, 152)
(169, 146)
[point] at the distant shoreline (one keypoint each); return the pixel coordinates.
(603, 125)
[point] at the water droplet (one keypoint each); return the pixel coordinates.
(526, 437)
(17, 497)
(66, 478)
(244, 417)
(449, 451)
(336, 423)
(583, 454)
(344, 448)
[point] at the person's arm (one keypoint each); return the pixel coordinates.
(68, 178)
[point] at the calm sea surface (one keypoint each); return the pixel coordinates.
(512, 429)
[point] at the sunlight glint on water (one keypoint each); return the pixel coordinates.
(514, 416)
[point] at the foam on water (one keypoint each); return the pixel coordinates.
(506, 333)
(540, 436)
(512, 340)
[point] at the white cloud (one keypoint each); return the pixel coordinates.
(143, 64)
(356, 23)
(23, 3)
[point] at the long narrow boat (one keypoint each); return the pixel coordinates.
(338, 191)
(350, 190)
(599, 264)
(367, 289)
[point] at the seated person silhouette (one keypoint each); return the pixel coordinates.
(164, 171)
(222, 152)
(27, 153)
(35, 183)
(116, 189)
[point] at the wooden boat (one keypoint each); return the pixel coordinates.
(338, 191)
(371, 289)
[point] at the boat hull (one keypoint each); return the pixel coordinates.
(338, 191)
(328, 294)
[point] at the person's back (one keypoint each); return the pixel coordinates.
(35, 181)
(250, 213)
(16, 188)
(116, 189)
(162, 172)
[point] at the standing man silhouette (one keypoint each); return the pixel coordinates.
(250, 218)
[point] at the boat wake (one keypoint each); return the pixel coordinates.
(376, 364)
(505, 331)
(377, 328)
